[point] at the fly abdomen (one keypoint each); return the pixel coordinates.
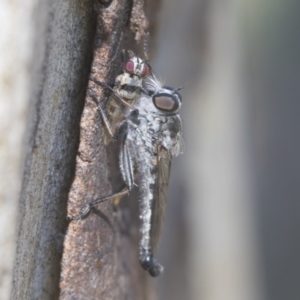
(146, 172)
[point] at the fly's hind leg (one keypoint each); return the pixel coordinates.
(84, 212)
(126, 168)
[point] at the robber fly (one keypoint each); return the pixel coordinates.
(126, 91)
(150, 135)
(151, 139)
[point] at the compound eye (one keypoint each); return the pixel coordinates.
(129, 66)
(166, 102)
(144, 70)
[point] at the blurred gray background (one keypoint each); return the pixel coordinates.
(232, 228)
(233, 217)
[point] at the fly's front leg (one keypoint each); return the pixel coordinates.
(102, 113)
(105, 120)
(113, 92)
(134, 113)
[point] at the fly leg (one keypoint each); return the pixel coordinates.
(126, 168)
(114, 135)
(113, 92)
(93, 203)
(102, 113)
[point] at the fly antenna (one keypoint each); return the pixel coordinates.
(146, 46)
(123, 59)
(146, 52)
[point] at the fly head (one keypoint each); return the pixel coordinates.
(135, 66)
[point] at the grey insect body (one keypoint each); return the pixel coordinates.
(152, 138)
(150, 135)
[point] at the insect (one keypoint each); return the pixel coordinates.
(126, 91)
(150, 135)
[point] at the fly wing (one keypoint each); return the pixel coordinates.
(116, 112)
(164, 158)
(114, 115)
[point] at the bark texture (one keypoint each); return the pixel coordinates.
(100, 256)
(59, 68)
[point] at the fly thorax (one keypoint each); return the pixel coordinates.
(143, 126)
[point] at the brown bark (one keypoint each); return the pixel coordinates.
(100, 259)
(59, 75)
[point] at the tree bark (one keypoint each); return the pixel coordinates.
(100, 259)
(100, 256)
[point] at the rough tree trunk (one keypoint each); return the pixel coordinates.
(100, 256)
